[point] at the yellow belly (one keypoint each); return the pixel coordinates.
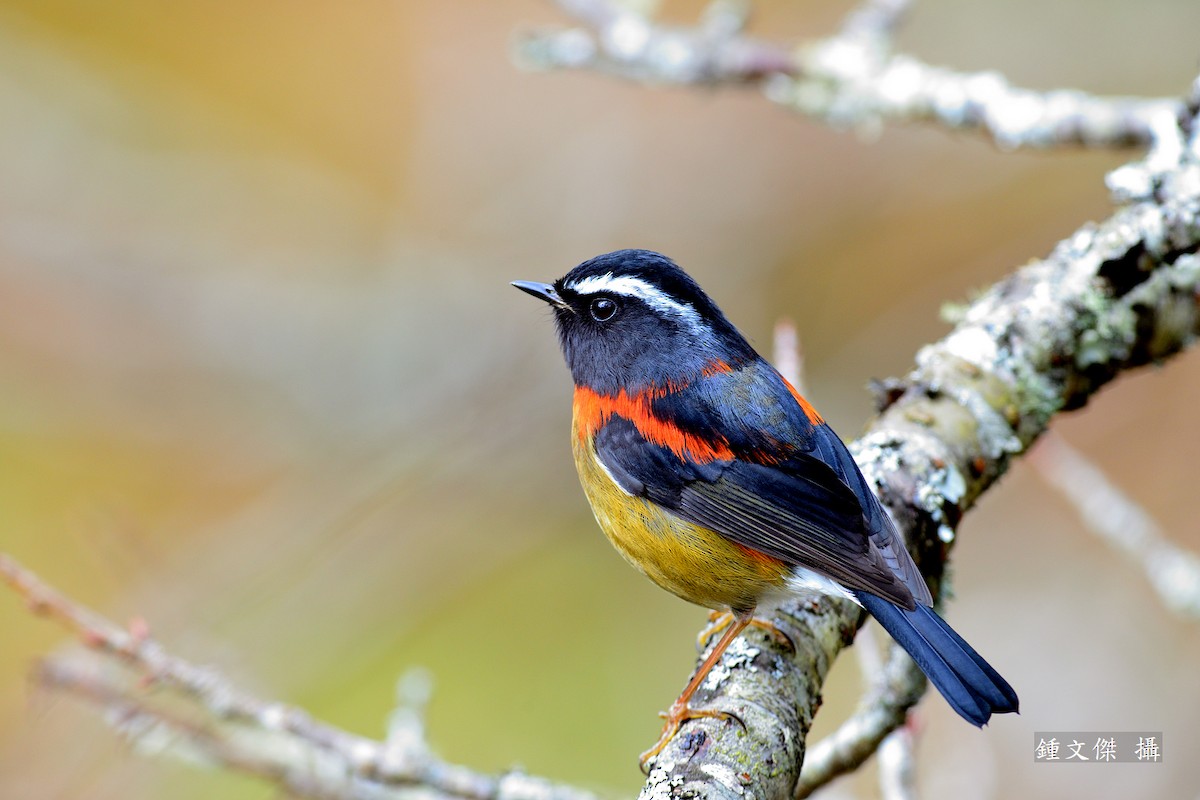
(693, 562)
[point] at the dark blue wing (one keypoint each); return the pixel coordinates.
(791, 490)
(756, 414)
(750, 408)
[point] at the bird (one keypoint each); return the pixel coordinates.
(712, 475)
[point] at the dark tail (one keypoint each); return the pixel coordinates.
(969, 684)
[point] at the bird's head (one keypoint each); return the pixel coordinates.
(632, 319)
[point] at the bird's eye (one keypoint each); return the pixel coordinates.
(603, 309)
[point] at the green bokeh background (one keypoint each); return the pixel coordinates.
(263, 382)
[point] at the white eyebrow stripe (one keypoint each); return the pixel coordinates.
(652, 296)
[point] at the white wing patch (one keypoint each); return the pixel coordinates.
(652, 296)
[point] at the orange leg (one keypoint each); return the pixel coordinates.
(720, 620)
(680, 711)
(717, 622)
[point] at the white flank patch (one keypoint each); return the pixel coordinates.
(804, 579)
(649, 294)
(604, 467)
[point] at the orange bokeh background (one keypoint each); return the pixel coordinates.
(263, 381)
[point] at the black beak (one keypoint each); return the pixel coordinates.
(542, 291)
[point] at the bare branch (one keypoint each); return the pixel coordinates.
(1174, 573)
(162, 704)
(850, 79)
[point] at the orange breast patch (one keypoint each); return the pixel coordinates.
(592, 410)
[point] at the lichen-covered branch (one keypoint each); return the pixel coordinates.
(849, 79)
(1111, 297)
(164, 705)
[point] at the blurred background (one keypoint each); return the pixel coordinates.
(263, 381)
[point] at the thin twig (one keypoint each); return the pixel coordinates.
(894, 689)
(218, 724)
(1173, 573)
(897, 765)
(788, 355)
(896, 753)
(619, 41)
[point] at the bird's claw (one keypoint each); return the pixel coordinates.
(675, 717)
